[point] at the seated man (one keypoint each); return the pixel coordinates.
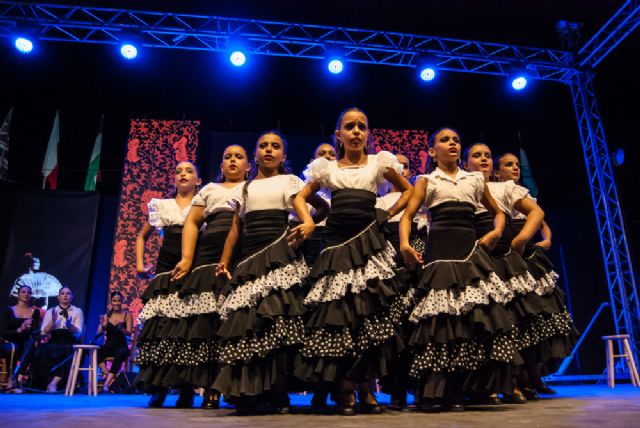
(63, 323)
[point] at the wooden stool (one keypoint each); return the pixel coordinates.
(76, 363)
(627, 355)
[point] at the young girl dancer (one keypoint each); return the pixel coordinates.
(461, 324)
(160, 311)
(551, 335)
(195, 348)
(353, 329)
(262, 329)
(509, 264)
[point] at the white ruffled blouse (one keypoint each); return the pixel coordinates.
(166, 212)
(214, 197)
(273, 193)
(365, 177)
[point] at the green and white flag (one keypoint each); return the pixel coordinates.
(4, 146)
(93, 173)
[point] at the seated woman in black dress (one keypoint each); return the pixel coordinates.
(20, 321)
(117, 324)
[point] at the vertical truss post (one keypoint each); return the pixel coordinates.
(613, 240)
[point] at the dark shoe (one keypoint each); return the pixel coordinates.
(429, 407)
(458, 407)
(544, 389)
(516, 398)
(185, 400)
(531, 394)
(211, 399)
(347, 404)
(368, 404)
(157, 399)
(370, 409)
(283, 410)
(493, 400)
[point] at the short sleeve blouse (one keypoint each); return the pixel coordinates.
(365, 177)
(215, 197)
(464, 187)
(166, 212)
(273, 193)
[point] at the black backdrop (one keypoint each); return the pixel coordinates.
(58, 228)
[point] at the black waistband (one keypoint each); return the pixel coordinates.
(220, 221)
(452, 215)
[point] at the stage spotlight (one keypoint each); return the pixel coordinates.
(617, 157)
(23, 45)
(335, 66)
(518, 82)
(128, 51)
(427, 73)
(238, 58)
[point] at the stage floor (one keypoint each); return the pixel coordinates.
(574, 406)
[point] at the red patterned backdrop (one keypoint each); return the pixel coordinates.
(411, 143)
(153, 150)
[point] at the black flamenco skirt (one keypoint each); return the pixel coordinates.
(353, 330)
(262, 329)
(462, 324)
(184, 347)
(550, 334)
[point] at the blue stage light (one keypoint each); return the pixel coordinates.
(617, 157)
(238, 58)
(128, 51)
(427, 73)
(335, 66)
(519, 82)
(23, 45)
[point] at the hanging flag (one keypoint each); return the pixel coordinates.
(4, 147)
(50, 165)
(526, 175)
(93, 173)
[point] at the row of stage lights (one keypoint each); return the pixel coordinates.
(335, 65)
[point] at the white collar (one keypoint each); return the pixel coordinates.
(460, 174)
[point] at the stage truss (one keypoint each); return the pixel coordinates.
(574, 67)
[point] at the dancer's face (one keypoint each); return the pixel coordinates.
(404, 161)
(325, 151)
(235, 165)
(480, 159)
(446, 147)
(24, 294)
(353, 134)
(270, 152)
(186, 178)
(116, 302)
(509, 168)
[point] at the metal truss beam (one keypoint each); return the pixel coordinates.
(622, 23)
(78, 24)
(618, 264)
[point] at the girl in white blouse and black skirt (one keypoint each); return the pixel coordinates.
(462, 324)
(195, 347)
(161, 310)
(551, 335)
(353, 330)
(262, 328)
